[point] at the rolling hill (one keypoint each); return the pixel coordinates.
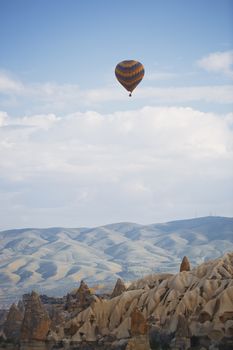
(54, 260)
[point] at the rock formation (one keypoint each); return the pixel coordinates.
(119, 288)
(80, 299)
(182, 336)
(138, 323)
(140, 342)
(13, 323)
(138, 331)
(185, 265)
(191, 304)
(36, 321)
(190, 308)
(20, 306)
(83, 294)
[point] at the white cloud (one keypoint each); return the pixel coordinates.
(39, 121)
(47, 97)
(146, 165)
(218, 94)
(3, 118)
(219, 62)
(10, 85)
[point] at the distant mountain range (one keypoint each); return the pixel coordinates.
(54, 260)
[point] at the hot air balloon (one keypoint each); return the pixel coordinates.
(129, 73)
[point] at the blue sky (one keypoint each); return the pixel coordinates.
(80, 42)
(57, 69)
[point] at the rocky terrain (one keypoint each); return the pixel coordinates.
(52, 261)
(192, 309)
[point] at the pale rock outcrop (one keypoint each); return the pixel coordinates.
(150, 281)
(207, 312)
(181, 281)
(216, 269)
(195, 303)
(225, 305)
(120, 309)
(229, 328)
(123, 330)
(217, 332)
(191, 303)
(86, 332)
(208, 288)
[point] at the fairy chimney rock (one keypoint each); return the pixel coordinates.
(83, 294)
(119, 288)
(185, 265)
(36, 322)
(13, 323)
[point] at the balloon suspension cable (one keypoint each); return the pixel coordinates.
(130, 94)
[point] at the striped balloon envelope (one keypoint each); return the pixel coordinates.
(129, 73)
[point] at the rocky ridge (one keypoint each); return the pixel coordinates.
(190, 309)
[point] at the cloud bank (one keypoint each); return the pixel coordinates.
(147, 165)
(66, 98)
(218, 62)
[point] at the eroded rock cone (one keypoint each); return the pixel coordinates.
(83, 297)
(185, 265)
(79, 300)
(13, 323)
(119, 288)
(36, 321)
(83, 293)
